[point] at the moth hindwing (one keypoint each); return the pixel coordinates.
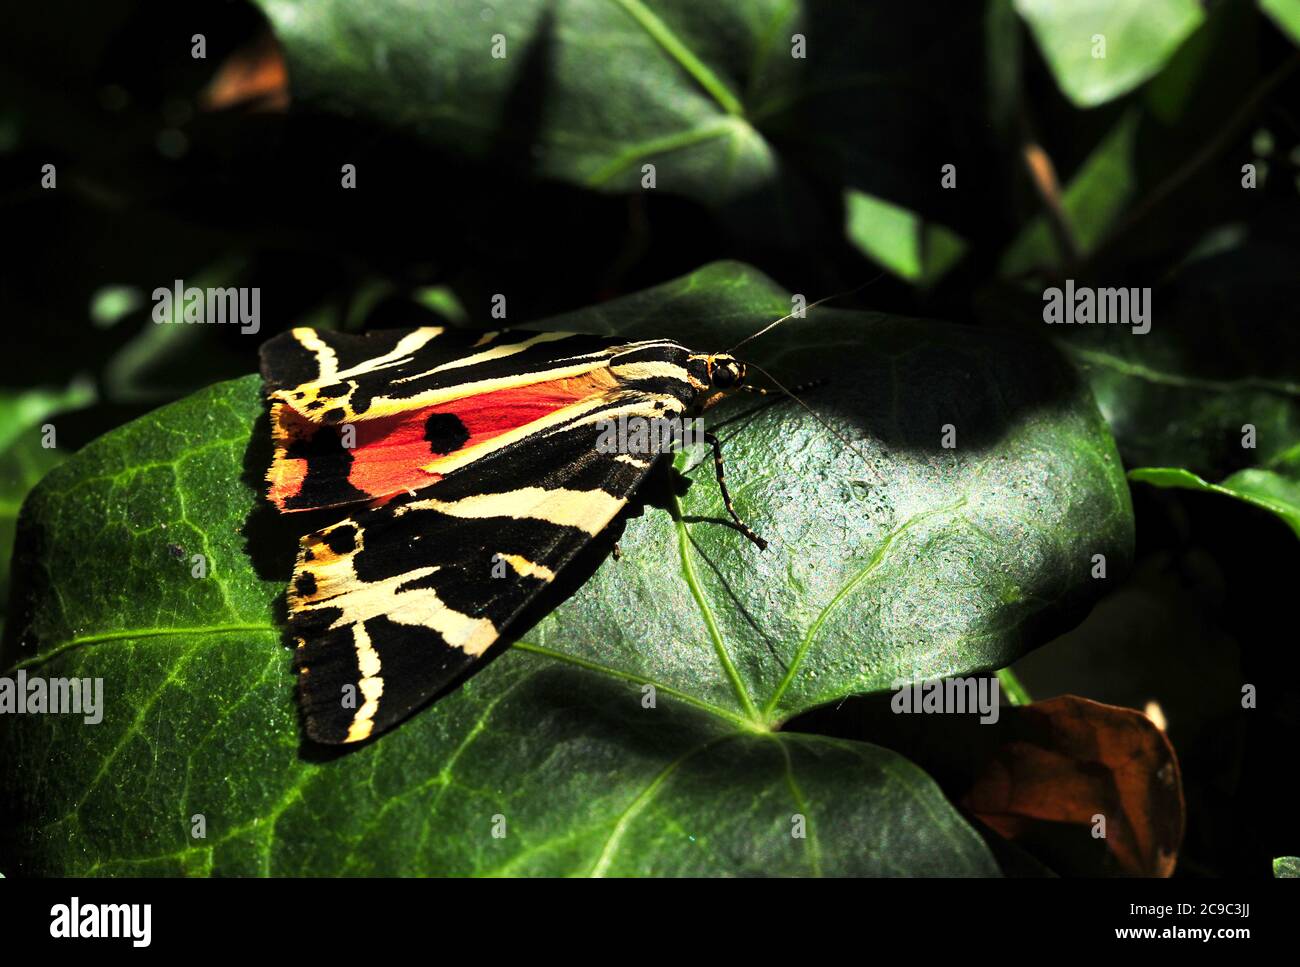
(468, 466)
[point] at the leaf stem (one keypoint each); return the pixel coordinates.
(1015, 692)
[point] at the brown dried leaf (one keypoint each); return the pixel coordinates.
(1061, 763)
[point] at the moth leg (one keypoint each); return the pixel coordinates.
(726, 495)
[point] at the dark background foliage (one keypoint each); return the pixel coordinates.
(219, 172)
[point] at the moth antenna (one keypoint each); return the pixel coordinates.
(836, 433)
(772, 325)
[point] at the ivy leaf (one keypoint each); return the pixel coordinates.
(1190, 402)
(1286, 14)
(1274, 492)
(728, 102)
(1167, 413)
(898, 239)
(1138, 40)
(1172, 407)
(635, 727)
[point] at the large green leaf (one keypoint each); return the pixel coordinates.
(918, 560)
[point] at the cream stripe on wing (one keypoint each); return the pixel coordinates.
(420, 607)
(372, 686)
(496, 352)
(651, 370)
(526, 568)
(587, 510)
(326, 358)
(423, 608)
(409, 344)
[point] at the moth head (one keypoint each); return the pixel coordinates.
(725, 371)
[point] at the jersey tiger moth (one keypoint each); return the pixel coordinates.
(452, 451)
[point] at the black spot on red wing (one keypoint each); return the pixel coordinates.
(342, 540)
(445, 433)
(334, 415)
(305, 584)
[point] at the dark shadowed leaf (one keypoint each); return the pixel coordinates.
(1190, 402)
(731, 103)
(27, 453)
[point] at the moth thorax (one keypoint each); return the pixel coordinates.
(725, 371)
